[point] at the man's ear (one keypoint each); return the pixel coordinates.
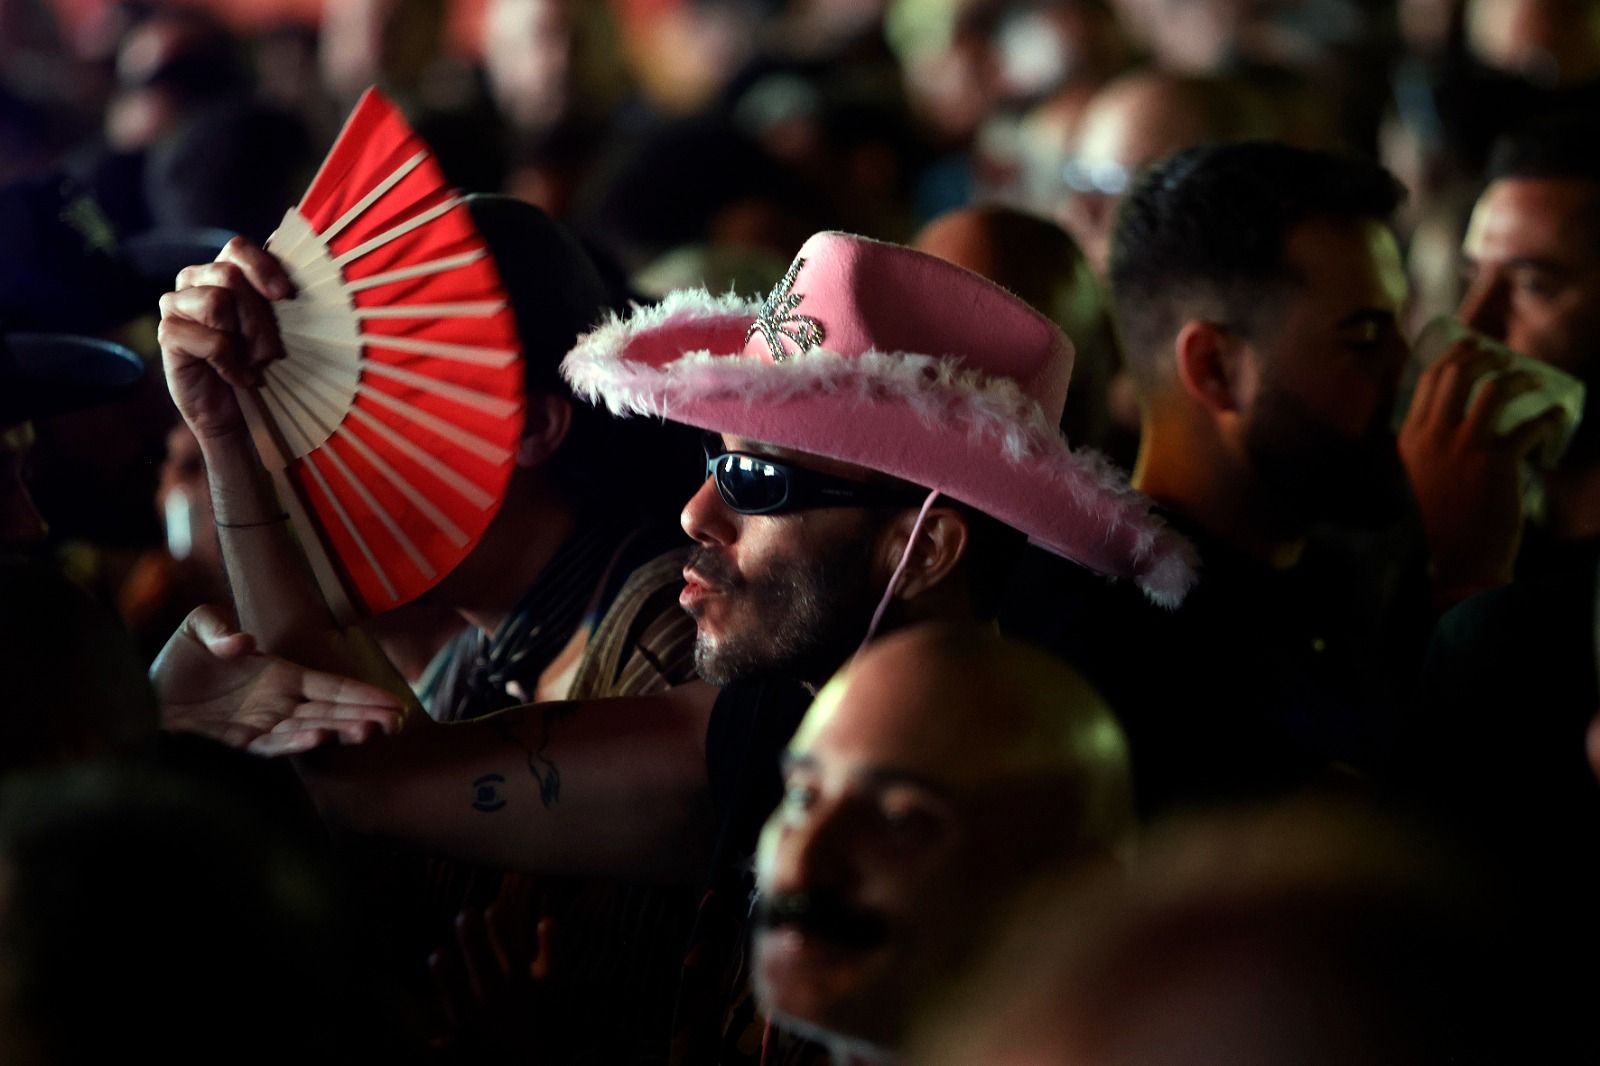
(547, 419)
(1209, 359)
(941, 544)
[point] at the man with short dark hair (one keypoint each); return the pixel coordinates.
(1258, 288)
(1532, 258)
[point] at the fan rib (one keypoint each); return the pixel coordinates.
(397, 232)
(322, 567)
(382, 513)
(471, 354)
(495, 407)
(461, 438)
(333, 375)
(350, 527)
(291, 235)
(377, 192)
(475, 309)
(285, 422)
(440, 520)
(437, 266)
(452, 478)
(325, 414)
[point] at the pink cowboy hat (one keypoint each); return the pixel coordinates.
(897, 361)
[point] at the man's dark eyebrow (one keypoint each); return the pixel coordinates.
(1533, 262)
(877, 778)
(889, 777)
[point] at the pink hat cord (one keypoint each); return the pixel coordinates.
(899, 571)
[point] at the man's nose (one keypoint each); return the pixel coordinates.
(707, 519)
(814, 854)
(1486, 306)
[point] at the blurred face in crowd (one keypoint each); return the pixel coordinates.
(1532, 264)
(1548, 42)
(786, 594)
(527, 54)
(1326, 362)
(919, 793)
(388, 42)
(183, 497)
(22, 527)
(1131, 124)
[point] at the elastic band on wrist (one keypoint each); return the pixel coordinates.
(251, 525)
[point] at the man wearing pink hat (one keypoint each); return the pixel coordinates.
(878, 429)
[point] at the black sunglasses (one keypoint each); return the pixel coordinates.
(756, 484)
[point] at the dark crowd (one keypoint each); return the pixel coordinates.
(800, 531)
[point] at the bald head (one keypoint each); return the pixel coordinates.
(936, 775)
(963, 706)
(1140, 119)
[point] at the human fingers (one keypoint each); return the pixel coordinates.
(484, 968)
(1491, 400)
(210, 625)
(450, 985)
(260, 266)
(253, 315)
(280, 742)
(545, 960)
(1532, 434)
(185, 343)
(337, 690)
(353, 724)
(1457, 373)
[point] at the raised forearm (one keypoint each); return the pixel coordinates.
(275, 595)
(614, 788)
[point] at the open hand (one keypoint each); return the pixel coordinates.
(211, 680)
(1467, 478)
(491, 974)
(218, 331)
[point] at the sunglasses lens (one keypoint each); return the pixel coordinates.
(750, 485)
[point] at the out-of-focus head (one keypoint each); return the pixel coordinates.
(556, 295)
(139, 912)
(685, 53)
(76, 687)
(391, 43)
(948, 56)
(169, 64)
(1551, 43)
(1137, 121)
(1532, 250)
(546, 58)
(936, 774)
(1038, 261)
(1258, 289)
(1302, 936)
(1042, 47)
(234, 166)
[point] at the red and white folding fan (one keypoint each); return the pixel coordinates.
(391, 426)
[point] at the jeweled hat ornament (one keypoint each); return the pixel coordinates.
(891, 359)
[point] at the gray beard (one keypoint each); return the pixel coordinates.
(812, 614)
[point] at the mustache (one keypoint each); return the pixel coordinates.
(715, 569)
(823, 916)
